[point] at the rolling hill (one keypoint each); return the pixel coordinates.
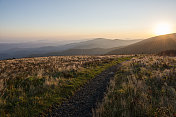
(71, 52)
(96, 46)
(78, 48)
(168, 53)
(104, 43)
(152, 45)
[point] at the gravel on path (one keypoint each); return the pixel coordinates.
(85, 99)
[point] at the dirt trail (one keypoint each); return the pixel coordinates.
(84, 100)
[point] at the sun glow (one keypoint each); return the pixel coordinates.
(163, 28)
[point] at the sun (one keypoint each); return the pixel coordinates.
(163, 28)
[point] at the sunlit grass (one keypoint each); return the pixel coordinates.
(25, 95)
(144, 86)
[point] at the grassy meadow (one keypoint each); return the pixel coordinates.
(145, 86)
(30, 86)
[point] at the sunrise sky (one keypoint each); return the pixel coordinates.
(81, 19)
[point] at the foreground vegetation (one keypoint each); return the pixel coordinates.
(31, 85)
(145, 86)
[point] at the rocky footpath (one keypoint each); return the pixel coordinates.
(84, 100)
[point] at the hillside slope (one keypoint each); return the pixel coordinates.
(168, 53)
(149, 46)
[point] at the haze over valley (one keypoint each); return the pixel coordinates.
(98, 46)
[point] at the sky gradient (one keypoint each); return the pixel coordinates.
(80, 19)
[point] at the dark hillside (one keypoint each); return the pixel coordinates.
(168, 53)
(152, 45)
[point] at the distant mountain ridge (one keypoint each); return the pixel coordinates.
(104, 43)
(98, 46)
(86, 47)
(152, 45)
(70, 52)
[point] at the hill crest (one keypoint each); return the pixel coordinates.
(151, 45)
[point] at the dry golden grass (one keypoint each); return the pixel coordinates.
(144, 86)
(28, 86)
